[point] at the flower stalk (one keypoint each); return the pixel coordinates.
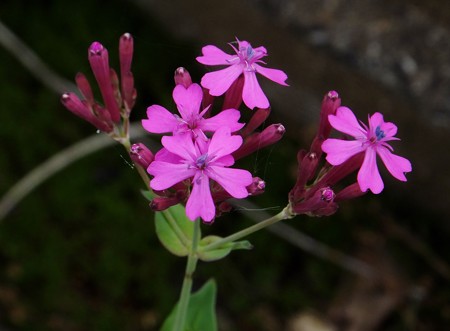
(286, 213)
(186, 289)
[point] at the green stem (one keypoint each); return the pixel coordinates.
(284, 214)
(183, 302)
(143, 174)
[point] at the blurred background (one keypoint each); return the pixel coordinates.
(80, 252)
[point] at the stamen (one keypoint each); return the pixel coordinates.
(201, 161)
(379, 133)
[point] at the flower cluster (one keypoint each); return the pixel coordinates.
(313, 193)
(195, 164)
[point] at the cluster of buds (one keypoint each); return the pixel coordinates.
(314, 191)
(112, 116)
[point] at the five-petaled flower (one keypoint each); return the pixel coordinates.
(371, 140)
(245, 61)
(199, 160)
(188, 101)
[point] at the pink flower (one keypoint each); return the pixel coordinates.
(200, 161)
(188, 101)
(244, 62)
(371, 140)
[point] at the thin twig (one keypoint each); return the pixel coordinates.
(55, 164)
(305, 242)
(32, 62)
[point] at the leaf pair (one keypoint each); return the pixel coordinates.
(175, 230)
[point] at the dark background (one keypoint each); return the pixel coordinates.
(80, 252)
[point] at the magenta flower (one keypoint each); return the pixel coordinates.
(188, 101)
(245, 61)
(200, 161)
(371, 140)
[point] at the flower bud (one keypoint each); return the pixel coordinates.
(162, 203)
(182, 77)
(350, 192)
(85, 88)
(207, 101)
(337, 173)
(127, 80)
(256, 141)
(141, 155)
(125, 53)
(330, 103)
(258, 118)
(257, 187)
(321, 203)
(79, 108)
(233, 97)
(99, 60)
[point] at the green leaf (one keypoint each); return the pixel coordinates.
(174, 230)
(201, 313)
(221, 251)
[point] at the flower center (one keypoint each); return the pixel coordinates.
(200, 163)
(379, 133)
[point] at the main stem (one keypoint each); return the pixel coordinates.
(185, 295)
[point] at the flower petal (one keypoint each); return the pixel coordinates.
(338, 151)
(395, 164)
(234, 181)
(224, 161)
(200, 202)
(346, 122)
(168, 174)
(218, 82)
(227, 118)
(188, 100)
(223, 143)
(389, 129)
(278, 76)
(369, 176)
(166, 156)
(182, 146)
(376, 120)
(160, 120)
(252, 94)
(213, 56)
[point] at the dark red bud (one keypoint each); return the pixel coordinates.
(182, 77)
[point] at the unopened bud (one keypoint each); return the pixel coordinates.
(141, 155)
(84, 87)
(327, 194)
(99, 60)
(256, 187)
(256, 141)
(126, 77)
(350, 192)
(182, 77)
(258, 118)
(162, 203)
(330, 103)
(125, 53)
(82, 110)
(321, 203)
(207, 101)
(233, 97)
(337, 173)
